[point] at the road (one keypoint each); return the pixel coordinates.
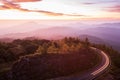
(93, 73)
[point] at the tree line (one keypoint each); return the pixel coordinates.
(12, 51)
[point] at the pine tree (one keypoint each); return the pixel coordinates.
(87, 43)
(53, 48)
(42, 49)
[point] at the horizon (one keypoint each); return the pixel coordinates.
(11, 23)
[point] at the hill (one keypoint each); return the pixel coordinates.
(45, 59)
(26, 27)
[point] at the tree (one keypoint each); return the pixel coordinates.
(53, 48)
(87, 43)
(72, 48)
(3, 55)
(65, 48)
(6, 56)
(78, 47)
(30, 48)
(42, 49)
(17, 51)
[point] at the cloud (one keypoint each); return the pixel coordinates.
(88, 3)
(2, 7)
(76, 15)
(115, 8)
(50, 13)
(12, 5)
(54, 13)
(100, 2)
(25, 0)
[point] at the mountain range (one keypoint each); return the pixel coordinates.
(107, 33)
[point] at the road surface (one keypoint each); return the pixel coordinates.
(93, 73)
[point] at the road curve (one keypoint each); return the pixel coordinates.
(93, 73)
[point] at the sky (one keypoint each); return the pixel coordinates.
(60, 9)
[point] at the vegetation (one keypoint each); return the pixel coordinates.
(55, 54)
(47, 66)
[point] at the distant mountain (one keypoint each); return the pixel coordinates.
(26, 27)
(49, 33)
(108, 33)
(55, 32)
(110, 25)
(92, 39)
(105, 33)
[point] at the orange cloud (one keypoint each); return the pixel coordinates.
(3, 7)
(25, 0)
(10, 5)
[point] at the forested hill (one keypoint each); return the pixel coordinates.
(13, 51)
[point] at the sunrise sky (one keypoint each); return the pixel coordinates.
(60, 9)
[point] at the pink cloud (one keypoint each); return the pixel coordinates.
(115, 8)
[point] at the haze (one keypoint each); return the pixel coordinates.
(19, 26)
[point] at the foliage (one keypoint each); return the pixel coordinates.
(10, 52)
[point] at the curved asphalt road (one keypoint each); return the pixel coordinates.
(93, 73)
